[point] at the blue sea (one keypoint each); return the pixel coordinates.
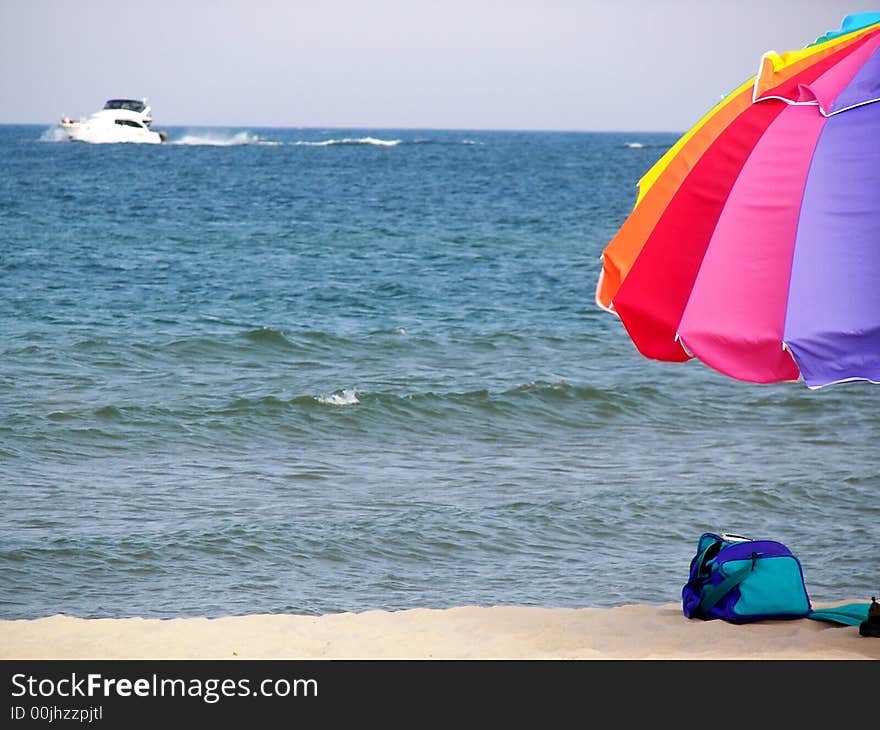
(321, 370)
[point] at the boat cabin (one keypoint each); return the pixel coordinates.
(130, 104)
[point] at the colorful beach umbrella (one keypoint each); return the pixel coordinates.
(754, 243)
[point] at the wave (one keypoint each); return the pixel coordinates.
(222, 414)
(646, 145)
(350, 140)
(244, 408)
(267, 336)
(340, 398)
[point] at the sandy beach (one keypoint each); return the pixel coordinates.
(468, 632)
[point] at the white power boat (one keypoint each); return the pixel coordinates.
(121, 120)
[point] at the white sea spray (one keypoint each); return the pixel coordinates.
(346, 397)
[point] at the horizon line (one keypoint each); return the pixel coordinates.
(559, 130)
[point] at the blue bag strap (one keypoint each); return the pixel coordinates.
(849, 614)
(712, 595)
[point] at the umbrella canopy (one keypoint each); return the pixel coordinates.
(754, 243)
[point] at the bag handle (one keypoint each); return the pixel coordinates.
(712, 595)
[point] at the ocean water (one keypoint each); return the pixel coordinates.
(323, 370)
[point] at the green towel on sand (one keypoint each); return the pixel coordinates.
(850, 614)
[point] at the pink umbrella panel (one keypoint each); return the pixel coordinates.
(754, 245)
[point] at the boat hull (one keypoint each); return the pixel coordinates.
(109, 134)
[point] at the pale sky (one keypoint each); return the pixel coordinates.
(629, 65)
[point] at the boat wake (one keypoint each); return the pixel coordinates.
(221, 139)
(54, 134)
(350, 140)
(230, 139)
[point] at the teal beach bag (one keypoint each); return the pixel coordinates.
(741, 580)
